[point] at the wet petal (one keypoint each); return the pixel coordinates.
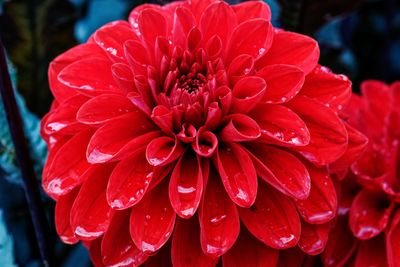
(292, 49)
(393, 241)
(62, 221)
(129, 181)
(183, 23)
(282, 170)
(313, 237)
(280, 125)
(240, 67)
(152, 220)
(90, 213)
(186, 250)
(123, 76)
(328, 134)
(90, 76)
(372, 252)
(251, 10)
(63, 119)
(67, 166)
(320, 206)
(273, 219)
(114, 135)
(330, 89)
(152, 24)
(162, 116)
(205, 143)
(369, 214)
(163, 150)
(283, 82)
(246, 94)
(239, 129)
(237, 174)
(117, 247)
(103, 108)
(252, 37)
(218, 19)
(112, 36)
(249, 252)
(186, 185)
(59, 90)
(219, 219)
(341, 244)
(356, 145)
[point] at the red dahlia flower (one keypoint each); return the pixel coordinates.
(368, 228)
(196, 120)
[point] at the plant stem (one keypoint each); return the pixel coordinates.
(30, 183)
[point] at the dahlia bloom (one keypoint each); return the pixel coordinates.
(199, 123)
(367, 232)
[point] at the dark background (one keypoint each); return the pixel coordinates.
(359, 38)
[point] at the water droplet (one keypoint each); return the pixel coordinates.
(186, 190)
(148, 217)
(217, 220)
(261, 51)
(286, 240)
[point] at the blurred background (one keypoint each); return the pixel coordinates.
(359, 38)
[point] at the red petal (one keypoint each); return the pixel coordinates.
(292, 49)
(152, 24)
(123, 76)
(369, 214)
(240, 67)
(246, 93)
(188, 133)
(205, 143)
(341, 244)
(251, 10)
(249, 252)
(219, 219)
(161, 258)
(62, 221)
(328, 134)
(282, 170)
(377, 95)
(114, 135)
(186, 249)
(152, 220)
(184, 21)
(137, 56)
(252, 37)
(112, 36)
(59, 90)
(283, 82)
(117, 247)
(273, 219)
(103, 108)
(67, 166)
(214, 116)
(313, 237)
(91, 214)
(90, 76)
(63, 119)
(95, 252)
(321, 205)
(393, 241)
(330, 89)
(372, 253)
(217, 19)
(239, 129)
(129, 181)
(280, 126)
(162, 116)
(163, 150)
(357, 144)
(237, 174)
(186, 185)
